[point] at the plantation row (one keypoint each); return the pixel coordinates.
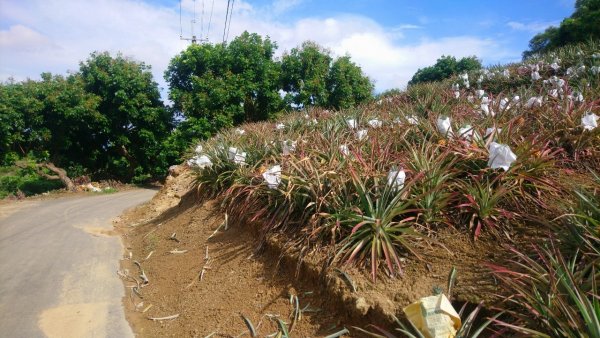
(519, 148)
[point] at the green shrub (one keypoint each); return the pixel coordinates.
(26, 180)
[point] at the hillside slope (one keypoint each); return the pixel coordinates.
(369, 209)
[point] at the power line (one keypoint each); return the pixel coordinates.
(193, 22)
(226, 16)
(210, 19)
(202, 21)
(230, 15)
(180, 24)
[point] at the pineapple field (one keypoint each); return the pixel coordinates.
(484, 188)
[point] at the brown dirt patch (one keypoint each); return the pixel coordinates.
(236, 281)
(80, 319)
(241, 280)
(99, 232)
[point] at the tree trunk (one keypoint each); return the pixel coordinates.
(130, 159)
(61, 174)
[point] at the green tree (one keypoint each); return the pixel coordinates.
(347, 85)
(137, 122)
(51, 121)
(582, 25)
(217, 86)
(17, 104)
(304, 73)
(444, 68)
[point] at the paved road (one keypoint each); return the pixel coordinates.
(58, 263)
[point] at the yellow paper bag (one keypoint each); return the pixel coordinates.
(434, 316)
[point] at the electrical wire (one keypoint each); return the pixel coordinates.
(202, 22)
(180, 24)
(226, 17)
(210, 18)
(230, 14)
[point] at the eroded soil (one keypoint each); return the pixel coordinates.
(171, 239)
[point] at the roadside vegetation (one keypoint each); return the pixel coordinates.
(25, 179)
(107, 120)
(498, 151)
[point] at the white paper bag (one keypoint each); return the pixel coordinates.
(467, 132)
(501, 156)
(361, 134)
(344, 150)
(535, 101)
(412, 119)
(375, 123)
(200, 161)
(240, 158)
(231, 153)
(273, 176)
(589, 121)
(443, 125)
(396, 178)
(288, 147)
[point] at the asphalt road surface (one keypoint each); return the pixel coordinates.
(58, 263)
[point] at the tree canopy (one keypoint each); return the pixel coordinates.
(218, 85)
(347, 85)
(304, 73)
(53, 119)
(137, 122)
(582, 25)
(105, 120)
(311, 77)
(444, 68)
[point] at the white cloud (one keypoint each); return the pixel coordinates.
(54, 35)
(532, 27)
(19, 38)
(394, 65)
(282, 6)
(408, 26)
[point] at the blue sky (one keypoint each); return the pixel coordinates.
(389, 39)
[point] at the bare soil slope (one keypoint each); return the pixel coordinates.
(170, 237)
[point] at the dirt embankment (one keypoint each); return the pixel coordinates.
(211, 278)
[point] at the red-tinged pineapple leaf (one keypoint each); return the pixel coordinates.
(359, 225)
(478, 229)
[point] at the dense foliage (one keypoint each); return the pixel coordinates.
(106, 120)
(304, 73)
(216, 86)
(311, 77)
(444, 68)
(136, 123)
(25, 179)
(52, 119)
(582, 25)
(346, 84)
